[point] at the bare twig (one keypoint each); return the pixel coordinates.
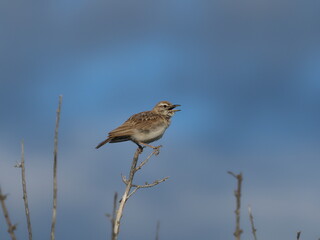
(254, 230)
(113, 216)
(147, 185)
(237, 194)
(24, 189)
(55, 158)
(125, 195)
(115, 201)
(11, 227)
(298, 235)
(158, 230)
(124, 179)
(146, 160)
(129, 185)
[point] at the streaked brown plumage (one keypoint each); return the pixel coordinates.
(145, 127)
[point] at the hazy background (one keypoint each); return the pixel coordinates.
(246, 74)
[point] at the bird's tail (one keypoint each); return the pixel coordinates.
(103, 143)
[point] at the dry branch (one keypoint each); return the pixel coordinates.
(129, 185)
(55, 158)
(158, 230)
(155, 152)
(147, 185)
(298, 235)
(11, 227)
(237, 194)
(254, 230)
(24, 189)
(125, 195)
(113, 216)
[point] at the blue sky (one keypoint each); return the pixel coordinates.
(246, 74)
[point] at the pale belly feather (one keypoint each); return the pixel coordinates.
(148, 136)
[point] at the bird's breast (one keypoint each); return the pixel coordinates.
(148, 135)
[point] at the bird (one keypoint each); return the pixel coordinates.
(144, 127)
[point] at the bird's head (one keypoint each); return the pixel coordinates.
(166, 108)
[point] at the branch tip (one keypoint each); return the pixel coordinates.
(118, 210)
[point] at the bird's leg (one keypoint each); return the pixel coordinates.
(139, 146)
(148, 145)
(154, 148)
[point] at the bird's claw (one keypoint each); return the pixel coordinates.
(157, 150)
(140, 149)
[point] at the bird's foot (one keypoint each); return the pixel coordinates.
(157, 149)
(140, 149)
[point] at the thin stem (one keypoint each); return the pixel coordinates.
(158, 230)
(137, 187)
(125, 195)
(11, 227)
(298, 235)
(254, 230)
(24, 189)
(55, 158)
(145, 161)
(129, 185)
(237, 194)
(113, 219)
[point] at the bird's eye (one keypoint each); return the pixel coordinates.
(165, 106)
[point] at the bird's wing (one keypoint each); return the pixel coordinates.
(143, 120)
(124, 130)
(137, 121)
(140, 121)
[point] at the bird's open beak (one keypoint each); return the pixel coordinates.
(174, 106)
